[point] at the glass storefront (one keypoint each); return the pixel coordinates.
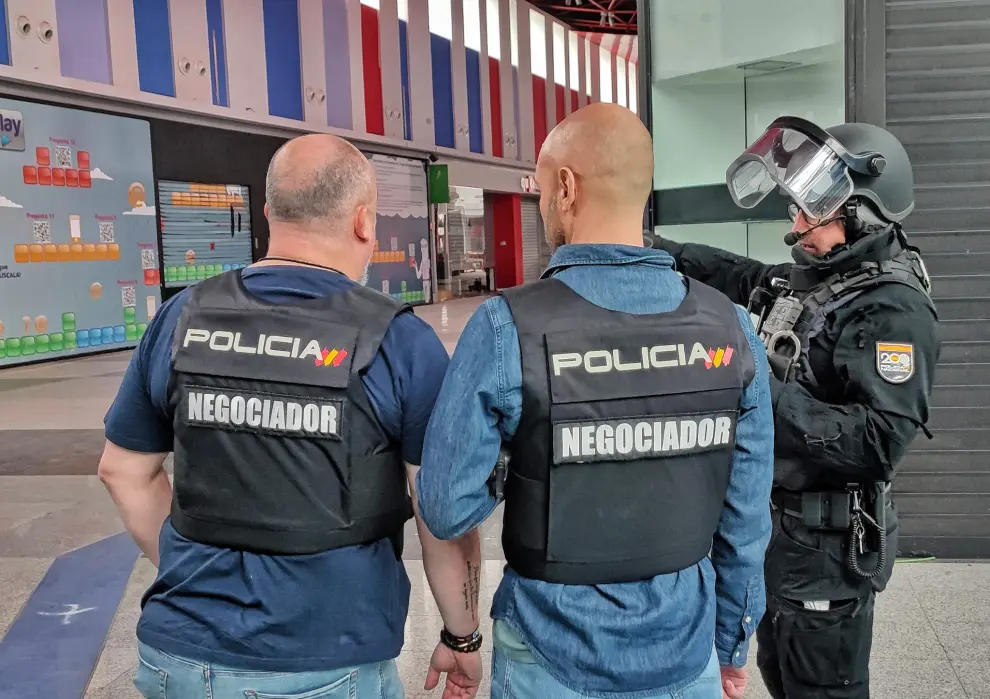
(722, 71)
(462, 245)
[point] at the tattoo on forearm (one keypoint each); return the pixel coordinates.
(471, 589)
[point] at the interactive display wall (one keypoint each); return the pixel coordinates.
(206, 230)
(78, 242)
(400, 266)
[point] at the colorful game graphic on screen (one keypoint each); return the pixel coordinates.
(206, 230)
(78, 242)
(400, 266)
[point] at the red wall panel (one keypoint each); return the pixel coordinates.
(560, 103)
(507, 219)
(574, 100)
(374, 107)
(494, 84)
(539, 113)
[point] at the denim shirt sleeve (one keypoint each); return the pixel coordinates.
(478, 407)
(743, 533)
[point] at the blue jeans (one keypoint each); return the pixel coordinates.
(163, 676)
(516, 675)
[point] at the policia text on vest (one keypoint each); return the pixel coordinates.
(277, 448)
(620, 464)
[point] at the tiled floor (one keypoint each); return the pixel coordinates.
(932, 630)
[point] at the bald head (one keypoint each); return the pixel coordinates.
(318, 180)
(610, 152)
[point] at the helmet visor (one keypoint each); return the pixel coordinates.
(807, 171)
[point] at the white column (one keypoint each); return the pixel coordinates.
(458, 76)
(486, 90)
(526, 136)
(314, 66)
(247, 71)
(551, 91)
(190, 51)
(615, 77)
(420, 73)
(567, 72)
(388, 43)
(359, 122)
(123, 46)
(595, 74)
(506, 87)
(34, 38)
(582, 72)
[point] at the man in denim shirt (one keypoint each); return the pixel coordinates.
(649, 638)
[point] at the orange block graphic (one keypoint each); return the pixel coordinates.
(43, 155)
(82, 160)
(71, 178)
(85, 179)
(64, 253)
(101, 251)
(51, 253)
(89, 251)
(58, 177)
(37, 253)
(30, 174)
(45, 176)
(21, 254)
(76, 252)
(113, 249)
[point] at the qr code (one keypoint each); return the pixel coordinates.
(42, 231)
(63, 156)
(128, 296)
(106, 231)
(148, 260)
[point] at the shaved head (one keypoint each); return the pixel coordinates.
(317, 181)
(596, 165)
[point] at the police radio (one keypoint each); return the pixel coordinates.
(776, 326)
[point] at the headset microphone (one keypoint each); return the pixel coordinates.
(791, 238)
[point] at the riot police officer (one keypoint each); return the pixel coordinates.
(851, 335)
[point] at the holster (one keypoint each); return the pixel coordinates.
(824, 511)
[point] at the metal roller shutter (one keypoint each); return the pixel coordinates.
(532, 233)
(937, 81)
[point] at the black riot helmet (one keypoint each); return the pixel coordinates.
(827, 172)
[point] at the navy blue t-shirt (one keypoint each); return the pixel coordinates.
(324, 611)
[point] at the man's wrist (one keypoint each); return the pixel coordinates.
(462, 644)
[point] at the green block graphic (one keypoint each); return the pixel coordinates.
(70, 340)
(130, 315)
(201, 272)
(14, 347)
(403, 286)
(57, 342)
(141, 328)
(181, 274)
(3, 349)
(130, 332)
(68, 322)
(171, 274)
(27, 346)
(211, 270)
(42, 343)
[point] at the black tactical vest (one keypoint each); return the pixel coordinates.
(906, 267)
(620, 464)
(277, 448)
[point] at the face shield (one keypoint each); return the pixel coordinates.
(811, 168)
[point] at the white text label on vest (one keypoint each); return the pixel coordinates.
(263, 413)
(601, 361)
(642, 438)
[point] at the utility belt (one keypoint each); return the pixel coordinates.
(859, 511)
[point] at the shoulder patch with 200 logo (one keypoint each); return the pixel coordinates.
(895, 361)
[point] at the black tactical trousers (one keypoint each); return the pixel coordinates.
(804, 654)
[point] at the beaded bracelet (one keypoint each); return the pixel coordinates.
(461, 644)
